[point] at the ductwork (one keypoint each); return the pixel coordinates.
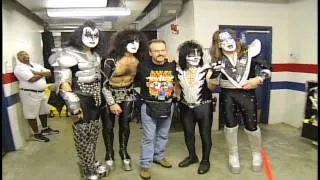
(159, 14)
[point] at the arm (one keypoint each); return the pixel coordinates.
(35, 78)
(44, 72)
(177, 91)
(63, 78)
(107, 70)
(38, 75)
(25, 74)
(212, 81)
(264, 72)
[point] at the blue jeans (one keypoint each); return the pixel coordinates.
(155, 137)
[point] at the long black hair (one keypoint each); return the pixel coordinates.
(119, 41)
(184, 49)
(76, 39)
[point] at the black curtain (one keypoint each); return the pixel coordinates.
(48, 45)
(150, 34)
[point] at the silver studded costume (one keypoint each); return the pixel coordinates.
(83, 73)
(233, 76)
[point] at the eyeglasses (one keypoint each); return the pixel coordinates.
(158, 51)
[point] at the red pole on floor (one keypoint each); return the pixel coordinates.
(266, 165)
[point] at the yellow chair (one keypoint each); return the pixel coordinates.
(54, 112)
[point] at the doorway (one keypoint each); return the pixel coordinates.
(264, 34)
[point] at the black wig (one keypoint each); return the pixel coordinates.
(119, 41)
(76, 39)
(184, 49)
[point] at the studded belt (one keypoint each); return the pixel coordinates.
(193, 105)
(32, 90)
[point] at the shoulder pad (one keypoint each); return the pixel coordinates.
(254, 48)
(63, 59)
(178, 69)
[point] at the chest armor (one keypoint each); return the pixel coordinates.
(237, 74)
(87, 76)
(89, 67)
(192, 90)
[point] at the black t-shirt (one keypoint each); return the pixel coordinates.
(156, 81)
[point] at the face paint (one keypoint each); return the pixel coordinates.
(133, 46)
(227, 42)
(90, 37)
(193, 58)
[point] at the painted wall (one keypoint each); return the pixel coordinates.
(19, 33)
(186, 25)
(294, 26)
(303, 45)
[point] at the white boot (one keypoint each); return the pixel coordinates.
(232, 141)
(110, 164)
(255, 144)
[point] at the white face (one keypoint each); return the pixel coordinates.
(133, 47)
(193, 58)
(227, 42)
(90, 37)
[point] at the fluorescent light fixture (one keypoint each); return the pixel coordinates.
(85, 12)
(70, 27)
(75, 3)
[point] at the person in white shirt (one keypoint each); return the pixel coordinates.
(32, 84)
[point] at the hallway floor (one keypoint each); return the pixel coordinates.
(291, 156)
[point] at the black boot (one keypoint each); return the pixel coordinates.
(125, 157)
(188, 161)
(108, 136)
(204, 167)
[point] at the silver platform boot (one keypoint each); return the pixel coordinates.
(255, 144)
(101, 169)
(232, 141)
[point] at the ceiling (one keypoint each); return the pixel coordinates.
(38, 7)
(140, 12)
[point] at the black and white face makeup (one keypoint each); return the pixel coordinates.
(227, 42)
(193, 57)
(133, 46)
(90, 37)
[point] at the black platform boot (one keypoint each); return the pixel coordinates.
(125, 157)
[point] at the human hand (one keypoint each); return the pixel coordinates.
(35, 72)
(252, 83)
(170, 59)
(78, 118)
(115, 109)
(216, 66)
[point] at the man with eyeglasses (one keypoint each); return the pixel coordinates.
(157, 80)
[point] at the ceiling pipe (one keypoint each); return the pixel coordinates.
(158, 13)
